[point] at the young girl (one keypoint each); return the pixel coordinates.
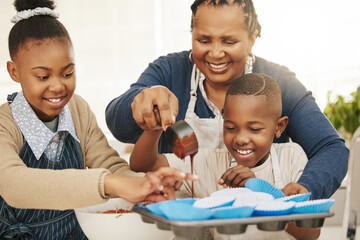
(252, 119)
(48, 136)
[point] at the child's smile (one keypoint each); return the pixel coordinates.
(46, 71)
(249, 129)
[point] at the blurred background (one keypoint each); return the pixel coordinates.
(115, 40)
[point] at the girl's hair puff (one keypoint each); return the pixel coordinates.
(38, 27)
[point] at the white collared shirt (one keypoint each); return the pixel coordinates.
(39, 137)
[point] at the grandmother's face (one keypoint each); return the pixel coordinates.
(220, 42)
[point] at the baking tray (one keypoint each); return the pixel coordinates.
(195, 229)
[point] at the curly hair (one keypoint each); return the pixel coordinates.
(251, 20)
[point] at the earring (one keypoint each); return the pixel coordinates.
(251, 60)
(191, 57)
(249, 63)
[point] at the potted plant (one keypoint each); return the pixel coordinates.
(344, 113)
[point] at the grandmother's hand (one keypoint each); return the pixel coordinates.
(155, 108)
(294, 188)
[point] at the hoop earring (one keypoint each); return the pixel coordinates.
(249, 63)
(251, 60)
(191, 59)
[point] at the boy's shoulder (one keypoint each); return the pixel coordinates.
(289, 147)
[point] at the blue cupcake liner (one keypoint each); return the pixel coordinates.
(233, 212)
(233, 192)
(313, 206)
(260, 185)
(214, 202)
(180, 211)
(296, 198)
(143, 205)
(155, 207)
(274, 208)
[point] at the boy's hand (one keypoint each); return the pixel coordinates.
(236, 176)
(293, 188)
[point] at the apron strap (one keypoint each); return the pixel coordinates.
(195, 79)
(276, 168)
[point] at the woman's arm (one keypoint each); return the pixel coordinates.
(308, 126)
(144, 156)
(172, 72)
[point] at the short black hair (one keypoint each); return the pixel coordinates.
(256, 84)
(251, 20)
(35, 28)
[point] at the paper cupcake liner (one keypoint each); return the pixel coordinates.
(180, 211)
(296, 198)
(252, 198)
(232, 212)
(232, 192)
(214, 202)
(155, 207)
(260, 185)
(314, 206)
(274, 208)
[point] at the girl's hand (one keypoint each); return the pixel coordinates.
(236, 176)
(294, 188)
(155, 108)
(155, 186)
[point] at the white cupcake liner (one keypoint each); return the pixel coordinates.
(213, 202)
(274, 208)
(314, 206)
(252, 198)
(260, 185)
(232, 192)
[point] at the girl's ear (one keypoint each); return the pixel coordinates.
(13, 72)
(281, 125)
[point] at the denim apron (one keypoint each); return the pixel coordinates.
(30, 224)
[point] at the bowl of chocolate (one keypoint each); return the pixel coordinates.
(114, 219)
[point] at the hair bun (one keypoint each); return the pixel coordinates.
(22, 5)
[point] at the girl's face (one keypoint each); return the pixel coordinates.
(220, 42)
(46, 71)
(249, 128)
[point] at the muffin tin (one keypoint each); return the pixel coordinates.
(194, 229)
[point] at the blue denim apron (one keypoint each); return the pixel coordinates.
(30, 224)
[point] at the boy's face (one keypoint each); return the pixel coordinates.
(249, 128)
(46, 71)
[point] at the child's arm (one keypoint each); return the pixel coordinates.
(144, 156)
(236, 176)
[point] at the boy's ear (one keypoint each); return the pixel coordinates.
(281, 125)
(13, 72)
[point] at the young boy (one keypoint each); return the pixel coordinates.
(252, 118)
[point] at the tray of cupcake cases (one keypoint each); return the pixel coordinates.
(231, 210)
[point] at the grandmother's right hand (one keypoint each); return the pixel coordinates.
(155, 108)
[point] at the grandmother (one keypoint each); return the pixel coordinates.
(191, 85)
